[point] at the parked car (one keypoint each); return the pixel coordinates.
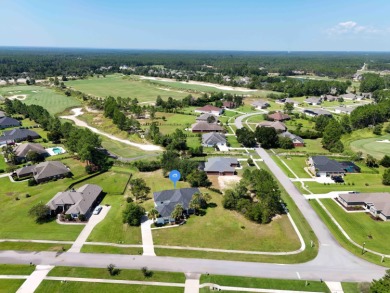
(97, 210)
(338, 179)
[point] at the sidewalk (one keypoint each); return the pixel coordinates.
(34, 280)
(93, 221)
(192, 283)
(335, 287)
(147, 237)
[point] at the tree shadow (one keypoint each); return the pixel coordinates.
(212, 205)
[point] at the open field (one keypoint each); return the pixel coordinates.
(48, 286)
(171, 122)
(359, 226)
(372, 146)
(101, 273)
(278, 284)
(8, 286)
(51, 100)
(342, 240)
(118, 85)
(296, 164)
(226, 229)
(123, 150)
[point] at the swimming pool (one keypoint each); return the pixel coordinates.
(56, 151)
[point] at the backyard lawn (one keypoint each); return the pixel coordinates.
(48, 286)
(8, 286)
(296, 164)
(361, 228)
(6, 269)
(52, 101)
(120, 86)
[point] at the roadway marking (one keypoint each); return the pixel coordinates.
(299, 277)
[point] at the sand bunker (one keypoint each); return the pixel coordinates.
(385, 141)
(17, 97)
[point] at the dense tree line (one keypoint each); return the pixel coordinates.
(113, 110)
(266, 203)
(372, 114)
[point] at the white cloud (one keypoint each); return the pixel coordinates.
(352, 27)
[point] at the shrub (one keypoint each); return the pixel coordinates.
(1, 170)
(129, 199)
(386, 177)
(82, 218)
(27, 195)
(17, 198)
(68, 217)
(40, 212)
(32, 182)
(146, 272)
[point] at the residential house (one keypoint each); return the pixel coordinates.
(314, 101)
(260, 104)
(44, 171)
(210, 109)
(296, 140)
(213, 139)
(351, 96)
(330, 98)
(344, 110)
(367, 95)
(76, 202)
(279, 126)
(228, 105)
(322, 166)
(278, 116)
(221, 166)
(165, 202)
(22, 150)
(6, 122)
(292, 101)
(17, 135)
(206, 127)
(207, 117)
(317, 112)
(378, 204)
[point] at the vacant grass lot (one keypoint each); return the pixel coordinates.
(81, 287)
(171, 122)
(111, 249)
(51, 100)
(9, 286)
(226, 229)
(30, 246)
(291, 285)
(296, 164)
(16, 269)
(123, 150)
(119, 86)
(359, 226)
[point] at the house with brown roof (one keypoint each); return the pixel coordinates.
(206, 127)
(228, 105)
(22, 150)
(76, 202)
(209, 109)
(378, 204)
(44, 171)
(278, 116)
(279, 126)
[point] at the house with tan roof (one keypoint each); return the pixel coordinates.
(22, 150)
(206, 127)
(210, 109)
(278, 116)
(279, 126)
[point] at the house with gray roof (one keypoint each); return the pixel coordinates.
(206, 127)
(213, 139)
(314, 101)
(6, 122)
(344, 110)
(76, 202)
(2, 114)
(277, 125)
(352, 96)
(317, 112)
(44, 171)
(296, 140)
(17, 135)
(260, 104)
(322, 166)
(221, 166)
(207, 117)
(165, 202)
(22, 150)
(378, 204)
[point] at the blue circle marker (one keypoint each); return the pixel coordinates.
(174, 176)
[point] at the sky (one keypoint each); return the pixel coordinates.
(250, 25)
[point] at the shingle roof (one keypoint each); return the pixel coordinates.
(166, 200)
(209, 108)
(381, 201)
(274, 124)
(213, 138)
(313, 100)
(18, 135)
(292, 136)
(22, 149)
(206, 116)
(49, 169)
(204, 126)
(317, 112)
(260, 103)
(279, 116)
(219, 164)
(324, 164)
(80, 200)
(8, 121)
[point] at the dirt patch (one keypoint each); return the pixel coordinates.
(214, 180)
(226, 182)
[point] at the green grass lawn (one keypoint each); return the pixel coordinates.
(361, 182)
(29, 246)
(111, 249)
(226, 229)
(342, 240)
(372, 146)
(51, 100)
(118, 85)
(296, 164)
(48, 286)
(232, 140)
(355, 287)
(312, 146)
(10, 286)
(171, 122)
(360, 225)
(3, 164)
(255, 118)
(101, 273)
(6, 269)
(14, 213)
(278, 284)
(123, 150)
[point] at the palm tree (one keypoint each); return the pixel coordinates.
(177, 213)
(199, 201)
(153, 214)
